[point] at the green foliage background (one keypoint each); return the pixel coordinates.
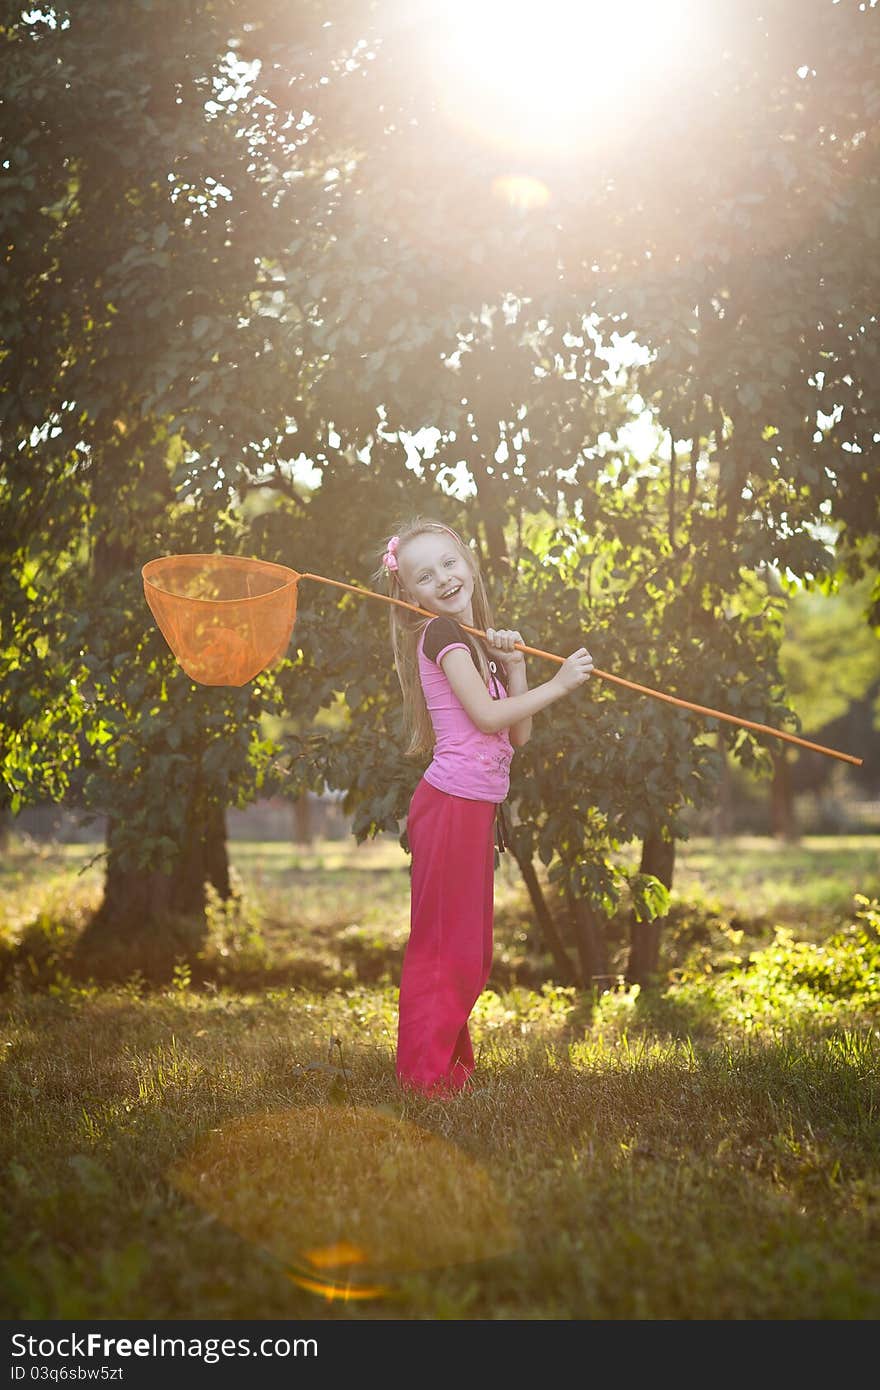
(238, 235)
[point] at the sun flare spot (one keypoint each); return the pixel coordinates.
(521, 191)
(342, 1252)
(555, 76)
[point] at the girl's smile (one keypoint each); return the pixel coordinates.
(437, 576)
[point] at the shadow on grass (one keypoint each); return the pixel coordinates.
(337, 954)
(52, 952)
(657, 1009)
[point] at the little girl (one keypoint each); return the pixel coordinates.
(445, 676)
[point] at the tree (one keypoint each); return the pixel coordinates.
(829, 659)
(332, 267)
(126, 279)
(743, 270)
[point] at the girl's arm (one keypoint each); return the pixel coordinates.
(518, 684)
(502, 645)
(492, 715)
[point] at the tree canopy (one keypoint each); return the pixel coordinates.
(242, 235)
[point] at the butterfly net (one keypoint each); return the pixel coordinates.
(225, 617)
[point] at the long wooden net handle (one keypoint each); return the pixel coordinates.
(606, 675)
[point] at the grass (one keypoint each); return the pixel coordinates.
(335, 913)
(708, 1149)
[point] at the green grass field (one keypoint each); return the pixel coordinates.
(707, 1149)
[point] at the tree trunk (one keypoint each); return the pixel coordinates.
(149, 895)
(303, 828)
(149, 920)
(723, 820)
(658, 858)
(553, 940)
(592, 947)
(782, 816)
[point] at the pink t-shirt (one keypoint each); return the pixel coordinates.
(466, 762)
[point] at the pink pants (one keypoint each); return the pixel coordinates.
(449, 952)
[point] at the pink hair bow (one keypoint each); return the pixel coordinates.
(389, 559)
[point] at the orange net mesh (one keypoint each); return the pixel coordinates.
(225, 617)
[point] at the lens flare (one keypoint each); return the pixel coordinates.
(347, 1199)
(521, 191)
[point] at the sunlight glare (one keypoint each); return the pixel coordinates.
(543, 76)
(521, 191)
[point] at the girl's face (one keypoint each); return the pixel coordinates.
(435, 575)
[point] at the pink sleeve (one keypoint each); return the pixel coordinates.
(451, 647)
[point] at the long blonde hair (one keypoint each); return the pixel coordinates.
(407, 628)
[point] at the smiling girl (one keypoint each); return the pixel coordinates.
(457, 709)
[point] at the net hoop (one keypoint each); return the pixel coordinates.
(230, 635)
(154, 567)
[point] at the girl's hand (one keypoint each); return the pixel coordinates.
(574, 670)
(500, 644)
